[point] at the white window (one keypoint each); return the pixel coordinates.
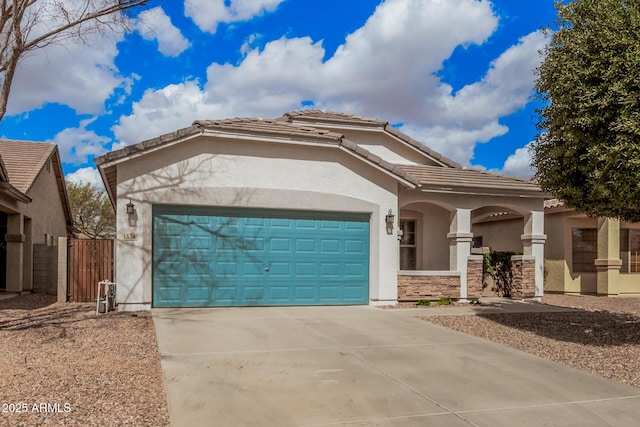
(408, 244)
(630, 250)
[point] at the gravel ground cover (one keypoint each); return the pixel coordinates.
(63, 365)
(603, 338)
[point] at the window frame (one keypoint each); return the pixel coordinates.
(579, 260)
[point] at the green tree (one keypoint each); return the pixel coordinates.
(587, 152)
(93, 214)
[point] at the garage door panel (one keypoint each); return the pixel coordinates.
(231, 257)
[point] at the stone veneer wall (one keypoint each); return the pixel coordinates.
(524, 276)
(474, 276)
(414, 287)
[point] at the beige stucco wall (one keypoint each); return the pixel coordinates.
(222, 172)
(501, 235)
(559, 256)
(43, 215)
(432, 226)
(46, 209)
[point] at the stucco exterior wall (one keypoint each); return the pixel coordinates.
(45, 210)
(559, 254)
(432, 226)
(39, 222)
(220, 172)
(501, 235)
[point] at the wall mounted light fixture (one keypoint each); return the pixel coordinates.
(131, 208)
(390, 219)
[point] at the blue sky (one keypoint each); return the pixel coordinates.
(454, 74)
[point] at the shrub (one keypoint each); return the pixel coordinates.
(498, 266)
(424, 302)
(445, 301)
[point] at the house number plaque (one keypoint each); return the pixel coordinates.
(129, 236)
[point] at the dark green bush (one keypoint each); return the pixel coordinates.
(497, 265)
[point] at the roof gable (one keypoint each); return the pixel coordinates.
(23, 163)
(308, 127)
(251, 128)
(24, 160)
(336, 121)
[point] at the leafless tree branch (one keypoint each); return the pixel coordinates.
(28, 25)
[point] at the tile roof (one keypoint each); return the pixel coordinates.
(278, 128)
(4, 176)
(553, 203)
(23, 161)
(449, 176)
(332, 117)
(283, 129)
(319, 117)
(436, 178)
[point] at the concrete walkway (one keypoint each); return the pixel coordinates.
(362, 366)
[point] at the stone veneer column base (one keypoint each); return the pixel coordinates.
(523, 268)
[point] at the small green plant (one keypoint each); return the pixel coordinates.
(445, 301)
(424, 302)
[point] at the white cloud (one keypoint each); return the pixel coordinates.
(80, 76)
(387, 69)
(519, 163)
(88, 175)
(76, 145)
(167, 109)
(207, 14)
(154, 24)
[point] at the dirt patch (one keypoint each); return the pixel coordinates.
(603, 339)
(63, 365)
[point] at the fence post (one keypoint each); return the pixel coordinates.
(63, 254)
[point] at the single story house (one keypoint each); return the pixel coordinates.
(313, 207)
(34, 213)
(586, 255)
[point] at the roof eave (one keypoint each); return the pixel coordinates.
(14, 193)
(479, 191)
(62, 187)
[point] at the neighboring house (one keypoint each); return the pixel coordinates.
(308, 209)
(585, 255)
(34, 213)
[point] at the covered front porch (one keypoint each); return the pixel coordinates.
(443, 232)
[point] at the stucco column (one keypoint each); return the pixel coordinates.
(460, 237)
(15, 243)
(533, 244)
(608, 262)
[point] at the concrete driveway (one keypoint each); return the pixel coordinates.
(362, 366)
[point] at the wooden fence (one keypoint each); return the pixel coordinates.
(90, 261)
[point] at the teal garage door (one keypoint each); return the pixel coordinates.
(206, 257)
